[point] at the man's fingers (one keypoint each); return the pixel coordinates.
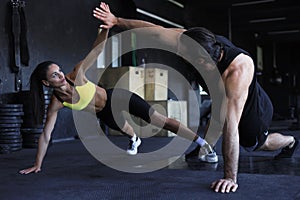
(212, 186)
(218, 185)
(224, 186)
(231, 187)
(235, 187)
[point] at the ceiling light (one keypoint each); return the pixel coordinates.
(267, 20)
(176, 3)
(252, 3)
(283, 32)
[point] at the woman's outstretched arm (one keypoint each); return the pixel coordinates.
(80, 69)
(44, 137)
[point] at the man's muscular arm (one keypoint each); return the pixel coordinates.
(237, 79)
(168, 36)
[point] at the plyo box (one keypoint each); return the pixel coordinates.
(156, 84)
(177, 110)
(129, 78)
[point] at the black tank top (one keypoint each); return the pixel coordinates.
(258, 109)
(230, 53)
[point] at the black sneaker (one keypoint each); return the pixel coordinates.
(287, 152)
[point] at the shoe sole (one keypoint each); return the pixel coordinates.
(208, 160)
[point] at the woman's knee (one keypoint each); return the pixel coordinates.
(157, 119)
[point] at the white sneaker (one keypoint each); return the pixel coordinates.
(210, 158)
(207, 154)
(133, 146)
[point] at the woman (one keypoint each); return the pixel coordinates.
(75, 87)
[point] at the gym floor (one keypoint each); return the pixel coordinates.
(71, 172)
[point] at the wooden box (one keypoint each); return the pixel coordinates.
(156, 84)
(129, 78)
(177, 110)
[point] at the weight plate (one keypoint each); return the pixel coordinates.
(10, 125)
(10, 137)
(16, 148)
(11, 113)
(11, 105)
(15, 145)
(11, 109)
(5, 130)
(11, 121)
(13, 141)
(9, 117)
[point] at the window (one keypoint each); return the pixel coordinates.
(116, 50)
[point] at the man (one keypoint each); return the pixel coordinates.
(249, 109)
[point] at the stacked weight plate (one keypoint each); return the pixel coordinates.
(10, 123)
(31, 132)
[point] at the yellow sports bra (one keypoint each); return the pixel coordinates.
(86, 94)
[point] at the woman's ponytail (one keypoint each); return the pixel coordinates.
(37, 91)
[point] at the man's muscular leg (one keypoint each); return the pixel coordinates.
(277, 141)
(274, 141)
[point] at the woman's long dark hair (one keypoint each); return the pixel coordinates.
(37, 90)
(207, 40)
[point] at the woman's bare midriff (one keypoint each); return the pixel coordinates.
(100, 99)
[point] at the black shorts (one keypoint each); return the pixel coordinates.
(119, 100)
(256, 119)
